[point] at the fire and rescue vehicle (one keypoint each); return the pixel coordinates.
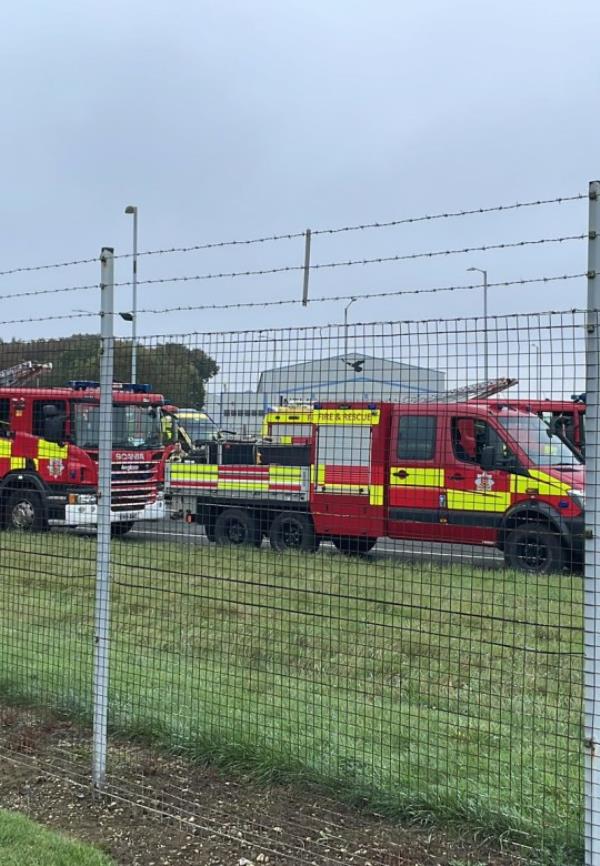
(49, 453)
(443, 470)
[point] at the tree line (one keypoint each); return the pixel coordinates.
(173, 369)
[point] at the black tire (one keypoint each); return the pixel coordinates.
(237, 527)
(25, 512)
(534, 548)
(292, 530)
(118, 530)
(353, 545)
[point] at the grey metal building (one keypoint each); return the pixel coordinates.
(353, 376)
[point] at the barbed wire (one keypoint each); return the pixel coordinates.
(29, 268)
(34, 292)
(299, 234)
(353, 262)
(358, 296)
(280, 302)
(27, 320)
(357, 227)
(295, 268)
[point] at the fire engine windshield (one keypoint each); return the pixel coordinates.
(534, 437)
(134, 426)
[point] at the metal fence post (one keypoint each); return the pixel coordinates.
(102, 611)
(306, 276)
(592, 543)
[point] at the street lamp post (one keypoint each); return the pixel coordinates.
(346, 308)
(485, 316)
(132, 209)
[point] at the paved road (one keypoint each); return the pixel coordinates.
(177, 532)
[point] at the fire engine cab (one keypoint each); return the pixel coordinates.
(49, 456)
(470, 472)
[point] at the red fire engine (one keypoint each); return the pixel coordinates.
(49, 453)
(469, 472)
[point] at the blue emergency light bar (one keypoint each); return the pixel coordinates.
(131, 387)
(82, 384)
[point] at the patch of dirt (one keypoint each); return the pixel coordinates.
(158, 810)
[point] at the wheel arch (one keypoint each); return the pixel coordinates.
(533, 511)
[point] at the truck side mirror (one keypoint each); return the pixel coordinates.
(487, 460)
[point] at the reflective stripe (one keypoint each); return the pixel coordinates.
(468, 500)
(288, 418)
(18, 463)
(376, 494)
(49, 450)
(5, 447)
(417, 477)
(285, 473)
(182, 471)
(348, 489)
(242, 485)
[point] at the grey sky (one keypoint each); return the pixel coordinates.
(235, 119)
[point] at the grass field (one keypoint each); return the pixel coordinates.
(417, 687)
(24, 843)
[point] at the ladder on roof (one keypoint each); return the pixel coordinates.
(23, 372)
(475, 391)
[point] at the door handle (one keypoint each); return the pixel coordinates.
(400, 473)
(456, 477)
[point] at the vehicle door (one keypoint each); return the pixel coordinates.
(475, 499)
(416, 474)
(345, 498)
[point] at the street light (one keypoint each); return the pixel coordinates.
(485, 329)
(132, 209)
(346, 308)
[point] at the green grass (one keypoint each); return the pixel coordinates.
(417, 688)
(24, 843)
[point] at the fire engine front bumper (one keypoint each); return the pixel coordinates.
(86, 513)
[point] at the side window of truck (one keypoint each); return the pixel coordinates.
(4, 416)
(470, 436)
(344, 445)
(39, 420)
(416, 437)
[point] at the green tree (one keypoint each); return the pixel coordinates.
(177, 370)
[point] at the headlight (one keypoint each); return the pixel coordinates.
(86, 499)
(578, 497)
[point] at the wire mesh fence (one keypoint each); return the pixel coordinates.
(341, 560)
(332, 584)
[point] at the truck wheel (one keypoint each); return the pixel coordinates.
(292, 530)
(354, 545)
(118, 530)
(534, 548)
(238, 527)
(25, 511)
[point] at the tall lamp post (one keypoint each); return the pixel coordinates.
(346, 308)
(132, 209)
(485, 327)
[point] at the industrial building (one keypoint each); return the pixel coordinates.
(354, 376)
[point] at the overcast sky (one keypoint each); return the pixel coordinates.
(225, 120)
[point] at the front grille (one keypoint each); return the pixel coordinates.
(134, 485)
